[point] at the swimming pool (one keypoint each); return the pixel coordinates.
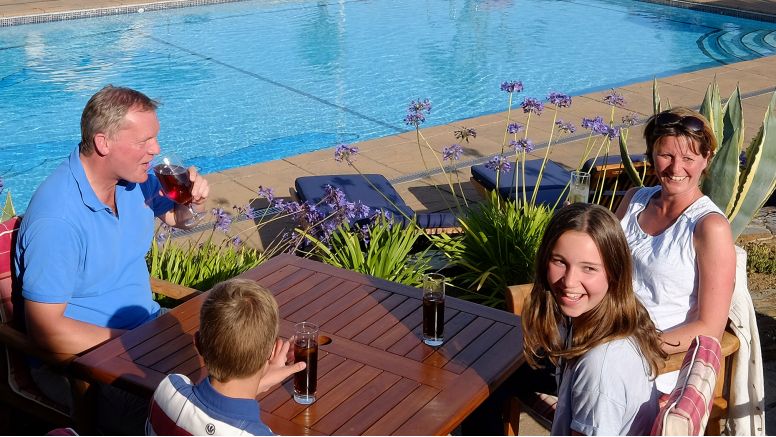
(253, 81)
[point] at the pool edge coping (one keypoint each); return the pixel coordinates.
(46, 17)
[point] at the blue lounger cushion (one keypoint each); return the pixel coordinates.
(356, 188)
(554, 180)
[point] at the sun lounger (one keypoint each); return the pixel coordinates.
(554, 180)
(364, 188)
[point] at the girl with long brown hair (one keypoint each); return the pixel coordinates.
(583, 315)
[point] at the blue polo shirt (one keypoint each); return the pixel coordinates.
(72, 248)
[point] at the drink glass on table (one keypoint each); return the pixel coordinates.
(176, 184)
(306, 349)
(433, 309)
(579, 187)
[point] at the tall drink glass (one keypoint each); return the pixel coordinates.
(433, 309)
(306, 349)
(579, 187)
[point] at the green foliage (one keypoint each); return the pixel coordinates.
(760, 258)
(498, 247)
(387, 255)
(200, 266)
(8, 209)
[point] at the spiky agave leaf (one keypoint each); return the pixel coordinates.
(628, 164)
(759, 178)
(711, 108)
(722, 185)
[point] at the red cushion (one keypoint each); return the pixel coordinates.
(689, 404)
(7, 230)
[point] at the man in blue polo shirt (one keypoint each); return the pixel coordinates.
(80, 254)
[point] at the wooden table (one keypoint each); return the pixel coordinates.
(375, 377)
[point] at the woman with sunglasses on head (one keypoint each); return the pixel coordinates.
(682, 246)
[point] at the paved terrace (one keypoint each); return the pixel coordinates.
(399, 158)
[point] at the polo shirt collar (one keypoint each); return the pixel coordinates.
(243, 409)
(88, 195)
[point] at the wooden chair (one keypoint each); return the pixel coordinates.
(542, 407)
(17, 389)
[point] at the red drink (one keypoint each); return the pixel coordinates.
(306, 381)
(433, 318)
(175, 181)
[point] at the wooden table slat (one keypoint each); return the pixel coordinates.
(476, 349)
(268, 276)
(288, 281)
(330, 368)
(414, 339)
(377, 408)
(309, 297)
(338, 394)
(409, 326)
(386, 322)
(364, 306)
(371, 316)
(404, 410)
(421, 350)
(355, 403)
(282, 426)
(347, 288)
(346, 303)
(315, 280)
(459, 342)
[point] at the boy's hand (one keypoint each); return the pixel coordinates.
(277, 368)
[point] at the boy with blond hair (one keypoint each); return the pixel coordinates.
(238, 341)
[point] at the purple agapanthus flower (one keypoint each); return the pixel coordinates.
(612, 132)
(522, 144)
(742, 160)
(596, 125)
(514, 86)
(223, 219)
(560, 100)
(532, 105)
(165, 232)
(464, 133)
(452, 152)
(514, 128)
(246, 210)
(499, 163)
(345, 152)
(266, 193)
(614, 99)
(237, 241)
(333, 196)
(417, 112)
(564, 127)
(630, 119)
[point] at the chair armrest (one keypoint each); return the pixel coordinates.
(20, 342)
(729, 344)
(515, 297)
(173, 291)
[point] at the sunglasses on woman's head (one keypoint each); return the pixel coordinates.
(688, 122)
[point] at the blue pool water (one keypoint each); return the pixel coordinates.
(253, 81)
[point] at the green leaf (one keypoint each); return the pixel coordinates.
(8, 209)
(630, 169)
(722, 184)
(711, 108)
(759, 178)
(655, 98)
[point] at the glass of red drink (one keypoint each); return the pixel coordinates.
(176, 184)
(306, 349)
(433, 309)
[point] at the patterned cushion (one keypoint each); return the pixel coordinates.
(688, 407)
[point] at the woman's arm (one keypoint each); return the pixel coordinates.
(716, 260)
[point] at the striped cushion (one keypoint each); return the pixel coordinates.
(688, 407)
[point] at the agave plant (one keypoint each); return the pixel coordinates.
(739, 193)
